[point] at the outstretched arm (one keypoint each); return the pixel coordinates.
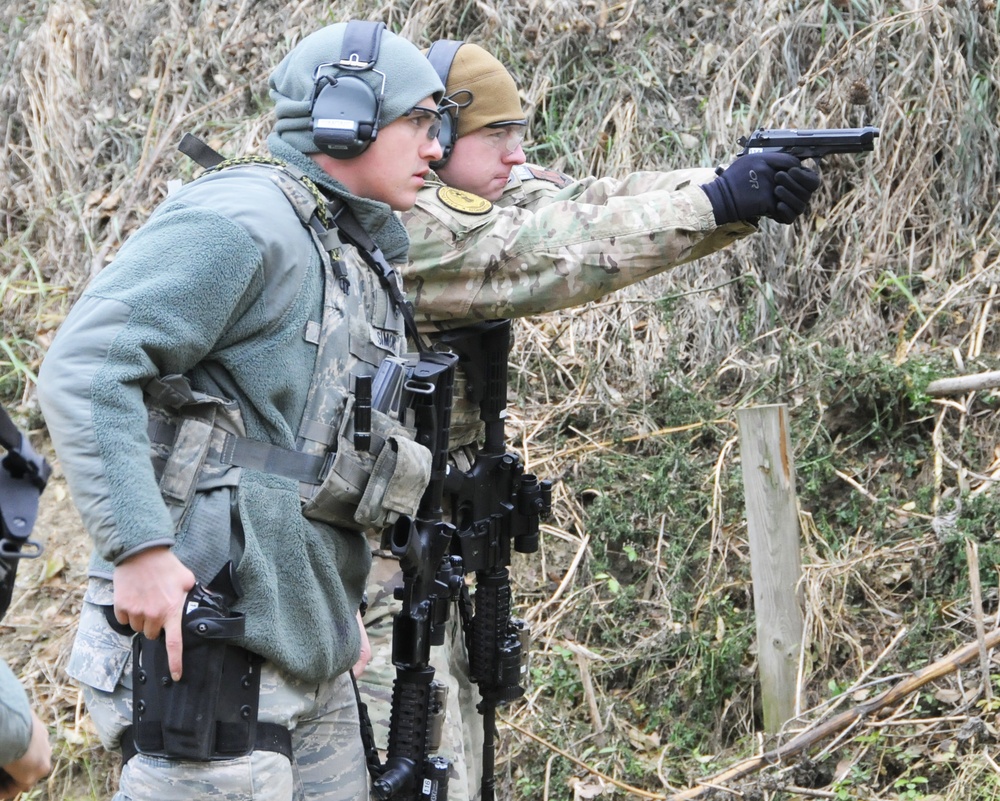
(592, 238)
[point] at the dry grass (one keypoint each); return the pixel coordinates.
(898, 260)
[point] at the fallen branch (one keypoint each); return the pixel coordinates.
(809, 737)
(961, 384)
(590, 769)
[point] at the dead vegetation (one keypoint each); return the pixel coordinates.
(640, 601)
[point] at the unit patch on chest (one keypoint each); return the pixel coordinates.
(465, 202)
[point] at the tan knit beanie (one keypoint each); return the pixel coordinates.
(494, 97)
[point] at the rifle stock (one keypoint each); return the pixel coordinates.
(23, 476)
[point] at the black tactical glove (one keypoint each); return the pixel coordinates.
(774, 185)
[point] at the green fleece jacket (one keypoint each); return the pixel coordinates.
(220, 285)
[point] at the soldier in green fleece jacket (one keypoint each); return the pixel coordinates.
(224, 341)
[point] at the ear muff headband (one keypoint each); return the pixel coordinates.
(441, 55)
(345, 109)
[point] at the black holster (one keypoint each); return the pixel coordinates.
(211, 713)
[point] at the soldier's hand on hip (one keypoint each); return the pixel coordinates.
(150, 590)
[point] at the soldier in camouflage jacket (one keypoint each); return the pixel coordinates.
(495, 237)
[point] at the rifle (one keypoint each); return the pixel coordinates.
(431, 579)
(495, 505)
(810, 143)
(23, 475)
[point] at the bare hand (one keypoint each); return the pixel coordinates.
(150, 590)
(366, 651)
(34, 765)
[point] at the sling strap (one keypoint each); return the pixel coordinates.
(345, 221)
(200, 152)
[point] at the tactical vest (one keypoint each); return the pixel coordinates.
(199, 441)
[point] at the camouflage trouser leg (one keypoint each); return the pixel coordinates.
(462, 741)
(326, 742)
(328, 762)
(261, 775)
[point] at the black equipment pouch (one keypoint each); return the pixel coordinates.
(211, 713)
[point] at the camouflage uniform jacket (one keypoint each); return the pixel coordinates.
(556, 246)
(223, 285)
(549, 243)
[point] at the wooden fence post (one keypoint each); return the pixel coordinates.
(775, 557)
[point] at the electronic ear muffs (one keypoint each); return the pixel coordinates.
(441, 55)
(345, 109)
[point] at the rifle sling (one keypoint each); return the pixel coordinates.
(10, 436)
(345, 221)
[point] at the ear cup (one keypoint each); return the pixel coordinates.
(447, 137)
(441, 55)
(344, 116)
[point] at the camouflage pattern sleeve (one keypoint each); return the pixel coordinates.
(472, 260)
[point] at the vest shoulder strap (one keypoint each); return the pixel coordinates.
(200, 151)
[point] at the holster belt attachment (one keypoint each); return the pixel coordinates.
(269, 737)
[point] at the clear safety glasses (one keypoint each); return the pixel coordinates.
(426, 119)
(507, 137)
